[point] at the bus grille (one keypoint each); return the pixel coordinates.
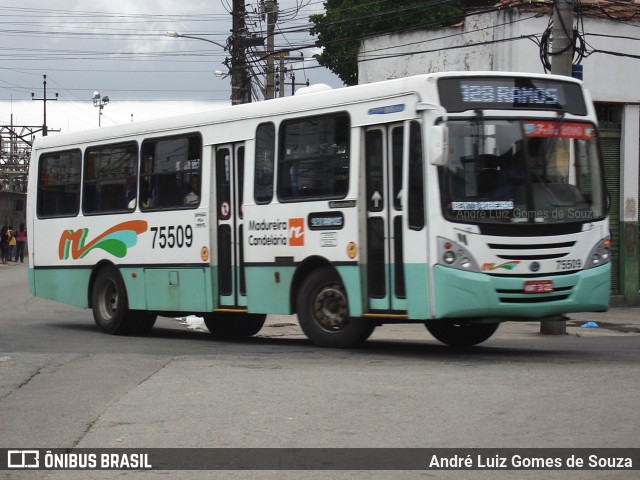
(531, 251)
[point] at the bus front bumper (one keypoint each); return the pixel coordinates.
(461, 294)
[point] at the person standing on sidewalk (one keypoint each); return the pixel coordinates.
(12, 244)
(21, 240)
(4, 243)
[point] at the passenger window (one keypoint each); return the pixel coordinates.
(313, 158)
(416, 179)
(59, 184)
(264, 163)
(110, 178)
(170, 176)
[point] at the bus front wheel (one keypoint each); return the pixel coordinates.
(234, 325)
(109, 302)
(323, 312)
(461, 333)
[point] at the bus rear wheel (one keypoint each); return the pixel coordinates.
(109, 302)
(234, 325)
(323, 312)
(461, 333)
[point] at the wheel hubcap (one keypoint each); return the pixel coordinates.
(331, 308)
(109, 301)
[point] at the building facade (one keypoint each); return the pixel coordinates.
(509, 40)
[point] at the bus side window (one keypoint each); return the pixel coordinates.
(313, 160)
(416, 178)
(110, 177)
(170, 166)
(264, 163)
(59, 184)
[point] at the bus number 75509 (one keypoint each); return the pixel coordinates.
(172, 236)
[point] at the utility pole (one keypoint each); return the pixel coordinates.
(240, 85)
(561, 64)
(281, 74)
(562, 49)
(44, 99)
(271, 10)
(282, 71)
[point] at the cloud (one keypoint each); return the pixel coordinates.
(120, 49)
(74, 116)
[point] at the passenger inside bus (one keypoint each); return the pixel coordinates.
(193, 197)
(131, 195)
(148, 195)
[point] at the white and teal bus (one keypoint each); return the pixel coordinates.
(459, 200)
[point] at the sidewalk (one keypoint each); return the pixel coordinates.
(619, 319)
(14, 264)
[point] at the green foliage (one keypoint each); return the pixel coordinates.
(346, 22)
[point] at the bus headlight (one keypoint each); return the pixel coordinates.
(452, 254)
(449, 257)
(600, 254)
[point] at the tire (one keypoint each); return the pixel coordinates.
(234, 325)
(461, 333)
(323, 312)
(141, 322)
(109, 302)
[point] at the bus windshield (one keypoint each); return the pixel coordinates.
(522, 171)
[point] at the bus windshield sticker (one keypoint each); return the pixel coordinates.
(579, 131)
(116, 240)
(499, 205)
(387, 109)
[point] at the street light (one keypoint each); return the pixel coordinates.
(240, 82)
(99, 102)
(193, 37)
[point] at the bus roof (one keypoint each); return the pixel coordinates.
(312, 99)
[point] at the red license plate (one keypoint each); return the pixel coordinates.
(538, 286)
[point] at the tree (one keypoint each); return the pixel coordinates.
(346, 22)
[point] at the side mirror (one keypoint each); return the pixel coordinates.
(438, 145)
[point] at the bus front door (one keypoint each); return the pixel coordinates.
(384, 147)
(229, 172)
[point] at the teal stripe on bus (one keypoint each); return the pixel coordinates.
(65, 285)
(168, 288)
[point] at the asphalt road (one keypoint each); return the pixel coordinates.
(63, 384)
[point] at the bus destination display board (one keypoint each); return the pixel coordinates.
(459, 94)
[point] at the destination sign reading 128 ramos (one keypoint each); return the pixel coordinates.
(468, 93)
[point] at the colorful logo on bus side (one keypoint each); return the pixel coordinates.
(116, 240)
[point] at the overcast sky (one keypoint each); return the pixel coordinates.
(120, 49)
